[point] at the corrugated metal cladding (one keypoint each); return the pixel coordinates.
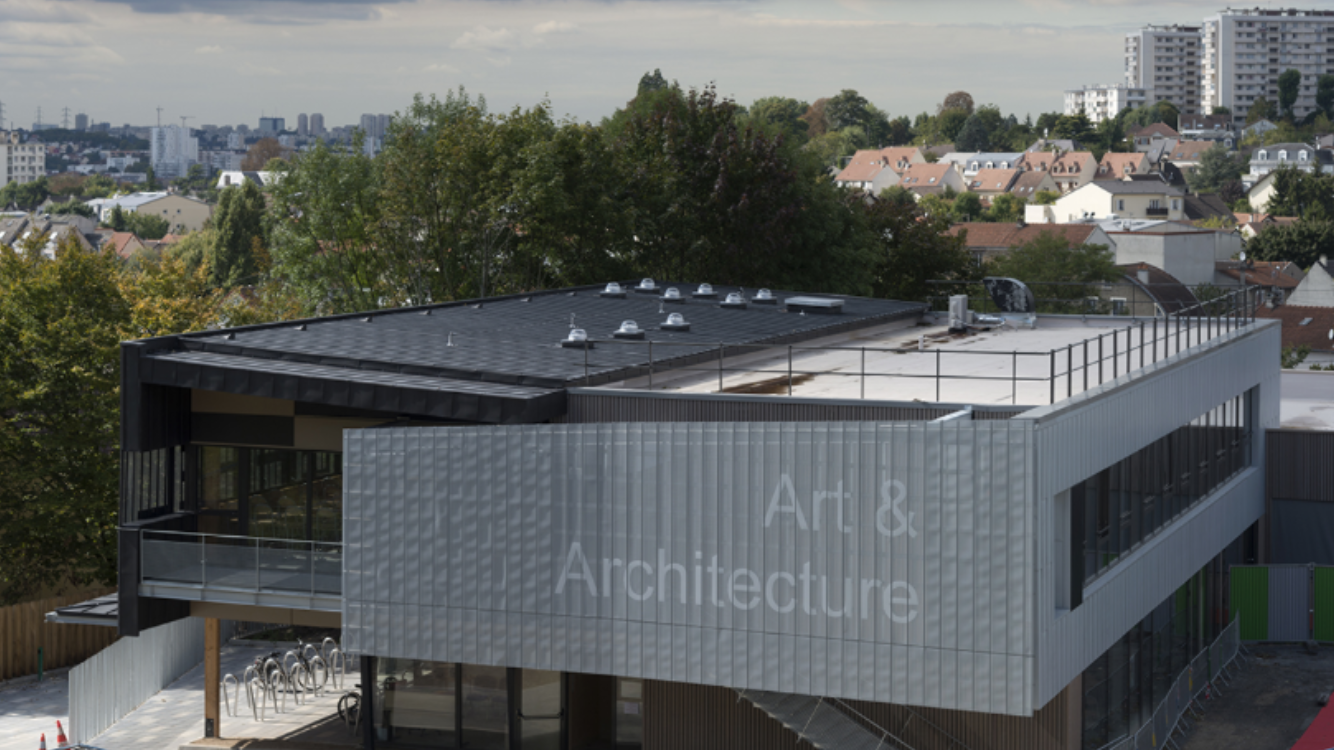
(590, 406)
(1289, 602)
(718, 721)
(1080, 436)
(1298, 464)
(884, 562)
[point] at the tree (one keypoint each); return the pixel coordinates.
(948, 125)
(967, 207)
(62, 321)
(900, 195)
(238, 250)
(117, 220)
(72, 207)
(323, 224)
(260, 152)
(146, 226)
(1220, 110)
(1057, 270)
(958, 100)
(900, 131)
(1297, 193)
(845, 109)
(651, 82)
(1289, 81)
(911, 250)
(816, 121)
(1260, 109)
(1045, 197)
(781, 112)
(980, 130)
(1075, 127)
(1302, 242)
(150, 180)
(1324, 95)
(1006, 207)
(25, 196)
(1216, 168)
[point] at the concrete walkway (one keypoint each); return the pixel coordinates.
(172, 718)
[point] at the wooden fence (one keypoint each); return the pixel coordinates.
(24, 629)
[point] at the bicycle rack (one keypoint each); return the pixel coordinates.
(236, 691)
(276, 679)
(254, 683)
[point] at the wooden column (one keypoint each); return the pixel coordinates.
(212, 677)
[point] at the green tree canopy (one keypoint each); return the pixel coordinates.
(1289, 81)
(1297, 193)
(1260, 109)
(25, 196)
(1050, 265)
(782, 112)
(1302, 242)
(652, 81)
(1217, 167)
(238, 250)
(911, 250)
(1324, 94)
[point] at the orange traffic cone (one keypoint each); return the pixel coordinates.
(61, 740)
(43, 742)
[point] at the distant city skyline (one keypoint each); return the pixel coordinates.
(227, 62)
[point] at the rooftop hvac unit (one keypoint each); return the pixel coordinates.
(958, 313)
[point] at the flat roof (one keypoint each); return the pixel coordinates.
(908, 361)
(495, 360)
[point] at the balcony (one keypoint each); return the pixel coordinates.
(241, 570)
(1155, 211)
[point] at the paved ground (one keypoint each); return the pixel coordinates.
(170, 719)
(28, 708)
(1269, 704)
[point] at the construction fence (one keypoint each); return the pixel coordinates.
(28, 643)
(1204, 671)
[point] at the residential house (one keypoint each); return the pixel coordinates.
(1253, 224)
(994, 160)
(1199, 207)
(17, 229)
(1149, 135)
(1115, 166)
(927, 179)
(1190, 254)
(1317, 288)
(960, 159)
(1028, 184)
(1132, 199)
(1309, 159)
(1185, 155)
(1213, 128)
(1303, 326)
(124, 244)
(1052, 144)
(1273, 275)
(873, 170)
(1258, 128)
(989, 183)
(1073, 170)
(229, 178)
(180, 212)
(986, 240)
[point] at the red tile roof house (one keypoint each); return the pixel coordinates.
(875, 170)
(988, 183)
(1029, 184)
(925, 179)
(986, 240)
(1115, 166)
(1146, 137)
(1071, 170)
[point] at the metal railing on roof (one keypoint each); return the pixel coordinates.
(1077, 366)
(241, 563)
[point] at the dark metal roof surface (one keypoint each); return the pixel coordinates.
(517, 339)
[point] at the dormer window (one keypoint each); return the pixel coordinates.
(1283, 156)
(932, 180)
(973, 167)
(1301, 156)
(1264, 156)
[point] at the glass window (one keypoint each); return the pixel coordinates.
(219, 484)
(485, 708)
(540, 713)
(417, 704)
(278, 494)
(629, 713)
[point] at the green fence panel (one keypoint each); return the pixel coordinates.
(1324, 604)
(1250, 598)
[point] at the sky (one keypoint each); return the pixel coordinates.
(226, 62)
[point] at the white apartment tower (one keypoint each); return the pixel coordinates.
(174, 150)
(20, 162)
(1245, 51)
(1100, 102)
(302, 125)
(1164, 61)
(317, 124)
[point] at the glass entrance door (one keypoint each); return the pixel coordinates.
(541, 710)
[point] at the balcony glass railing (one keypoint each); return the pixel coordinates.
(240, 563)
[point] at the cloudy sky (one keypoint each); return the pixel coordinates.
(229, 61)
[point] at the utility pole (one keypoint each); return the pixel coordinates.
(64, 120)
(159, 117)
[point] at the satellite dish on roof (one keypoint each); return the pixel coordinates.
(1010, 295)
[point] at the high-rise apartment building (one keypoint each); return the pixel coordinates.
(302, 125)
(20, 162)
(174, 149)
(1245, 52)
(272, 125)
(1100, 103)
(317, 124)
(81, 121)
(375, 126)
(1164, 61)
